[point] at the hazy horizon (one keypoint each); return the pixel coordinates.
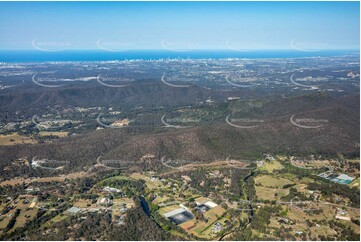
(179, 26)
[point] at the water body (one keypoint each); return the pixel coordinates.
(98, 55)
(144, 205)
(251, 212)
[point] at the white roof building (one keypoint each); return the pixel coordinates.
(211, 204)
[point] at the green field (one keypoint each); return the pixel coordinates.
(271, 181)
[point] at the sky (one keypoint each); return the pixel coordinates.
(179, 25)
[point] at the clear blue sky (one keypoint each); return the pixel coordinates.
(182, 25)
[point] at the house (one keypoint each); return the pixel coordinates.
(215, 173)
(217, 227)
(112, 189)
(93, 210)
(147, 157)
(211, 204)
(284, 221)
(121, 220)
(105, 201)
(205, 205)
(342, 215)
(153, 179)
(73, 210)
(259, 163)
(209, 100)
(186, 178)
(123, 210)
(269, 157)
(233, 98)
(201, 200)
(29, 189)
(202, 208)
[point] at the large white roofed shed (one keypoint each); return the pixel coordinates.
(211, 204)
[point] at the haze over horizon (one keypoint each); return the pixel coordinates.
(179, 26)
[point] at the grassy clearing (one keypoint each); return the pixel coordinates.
(323, 230)
(168, 209)
(60, 178)
(24, 216)
(160, 199)
(265, 193)
(177, 234)
(271, 182)
(13, 139)
(58, 218)
(187, 225)
(138, 176)
(271, 166)
(128, 202)
(113, 178)
(355, 183)
(4, 220)
(117, 178)
(83, 203)
(57, 134)
(202, 229)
